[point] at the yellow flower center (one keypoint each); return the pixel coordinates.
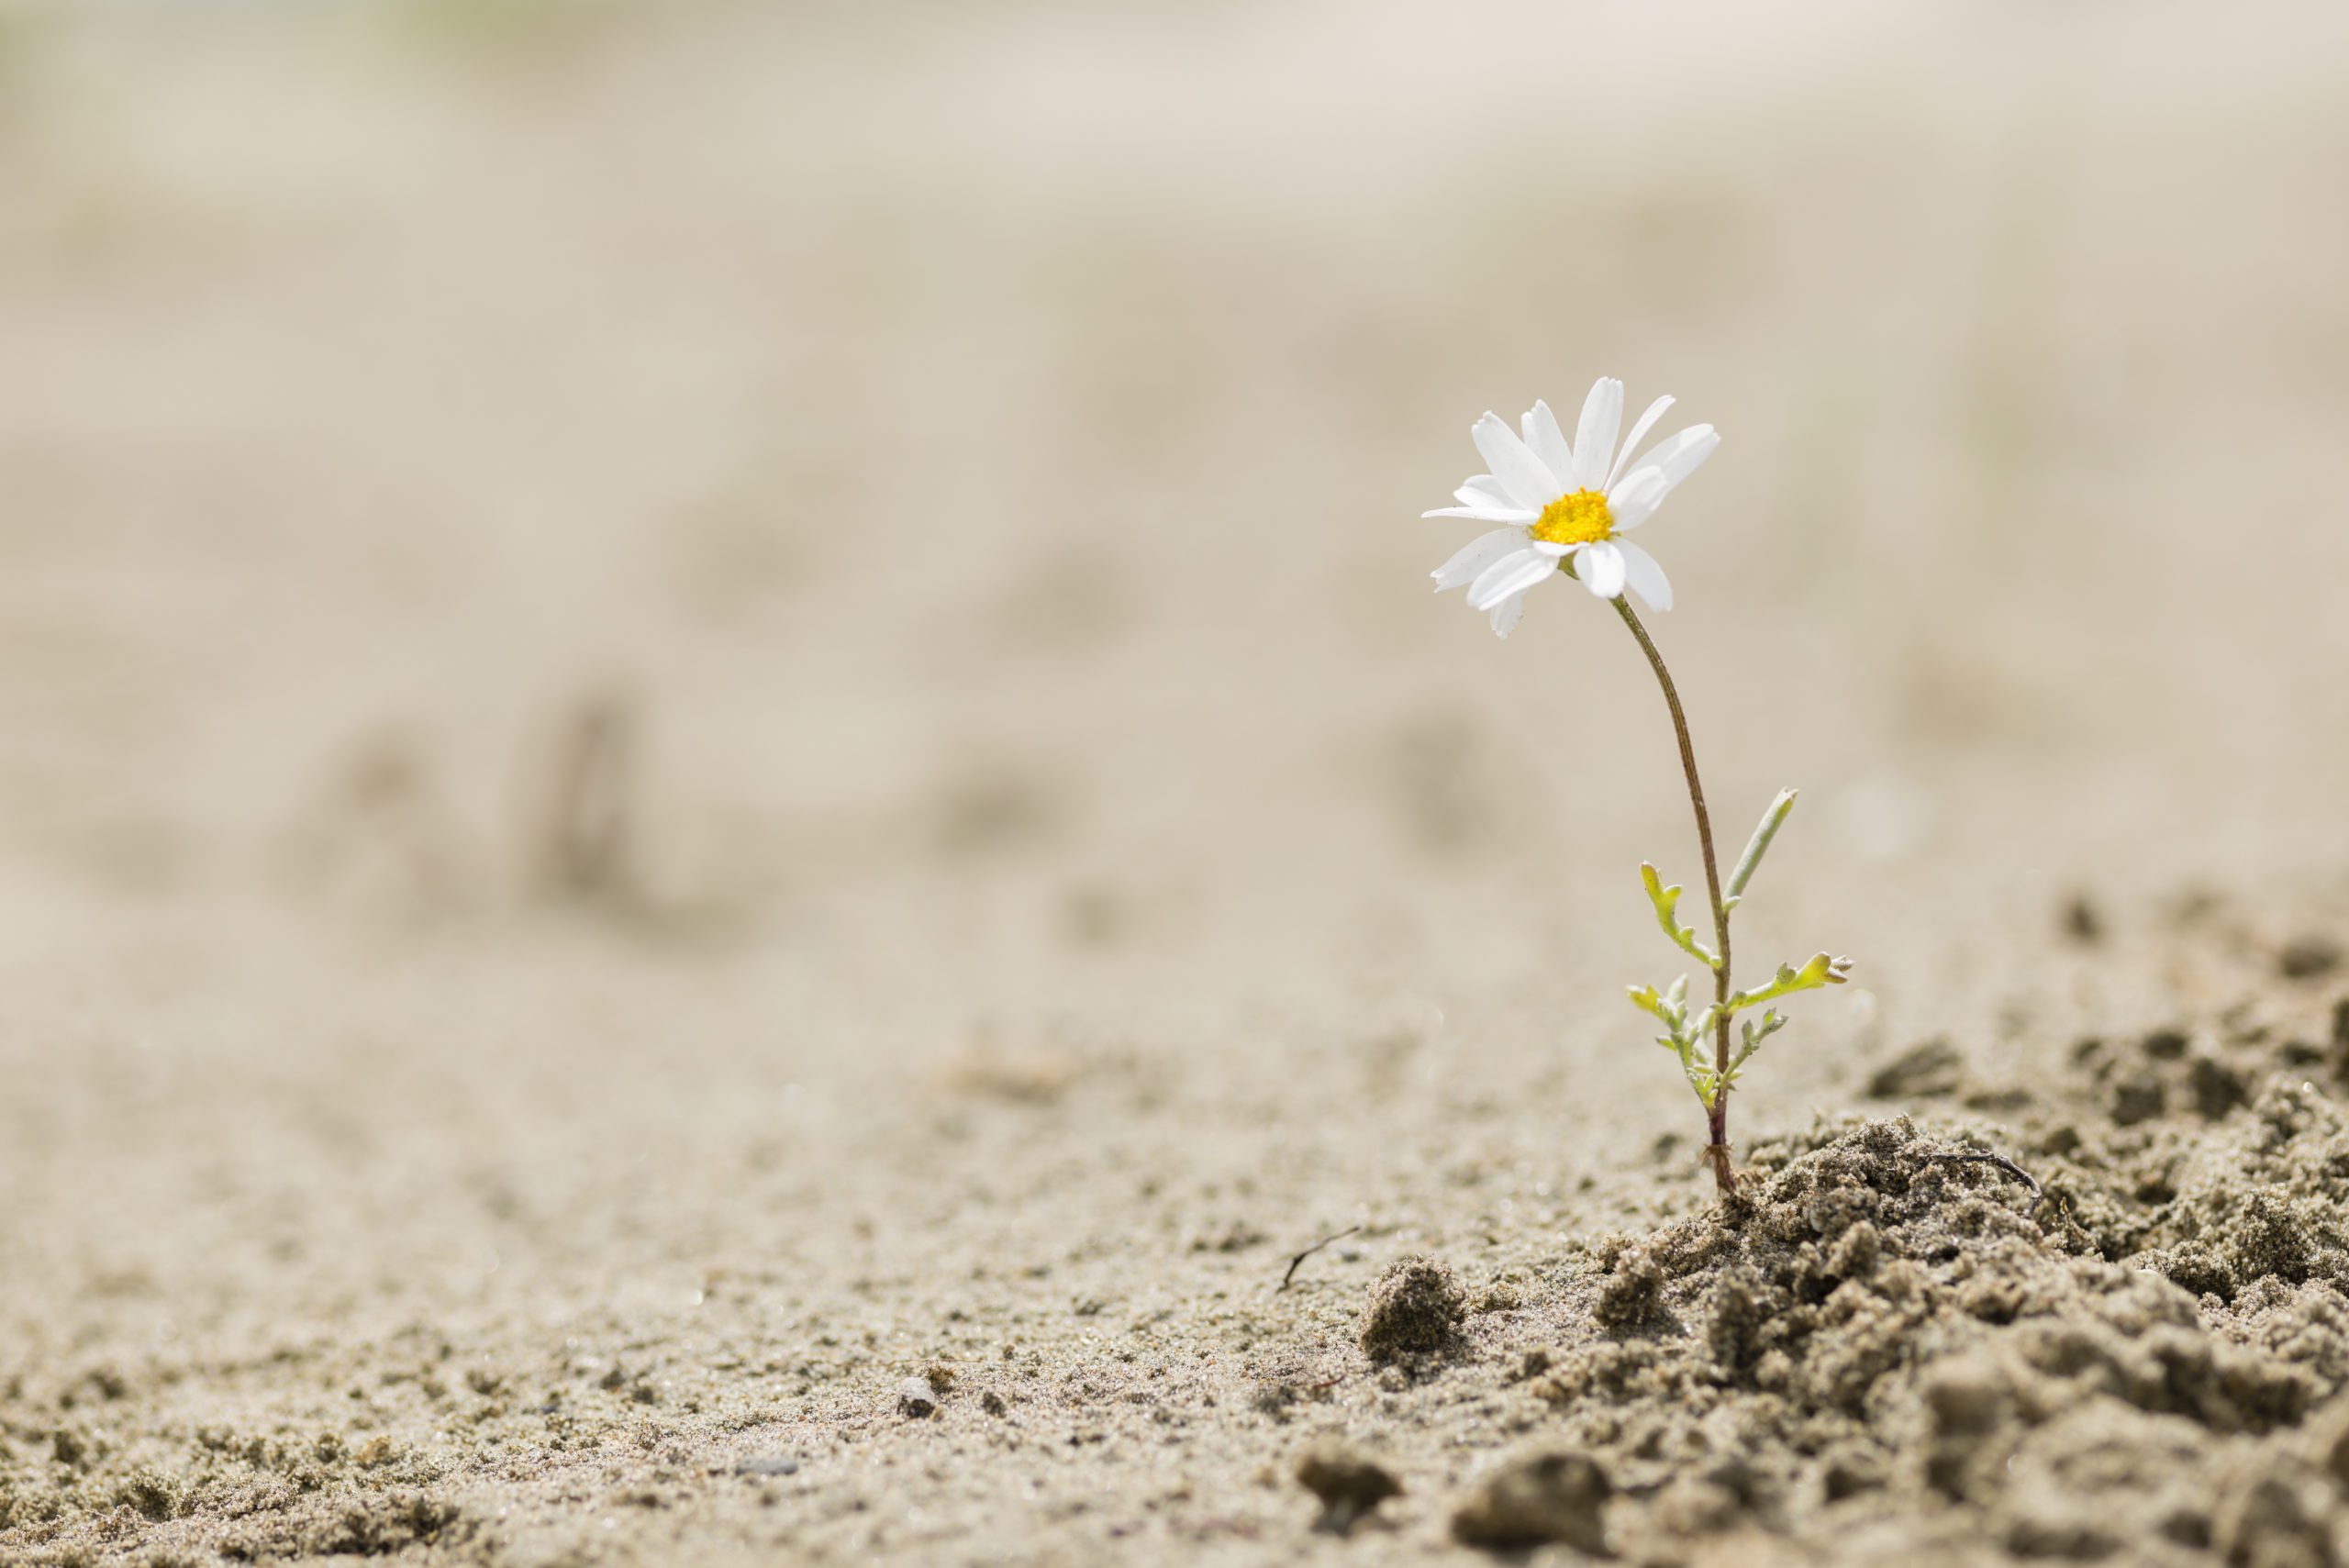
(1579, 518)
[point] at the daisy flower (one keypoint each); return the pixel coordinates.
(1560, 506)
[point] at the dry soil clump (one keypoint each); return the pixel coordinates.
(1883, 1344)
(1416, 1308)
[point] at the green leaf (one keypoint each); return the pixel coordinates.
(1754, 1035)
(1757, 846)
(1667, 915)
(1821, 970)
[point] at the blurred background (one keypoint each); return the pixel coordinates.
(609, 610)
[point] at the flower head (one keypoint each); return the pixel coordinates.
(1567, 507)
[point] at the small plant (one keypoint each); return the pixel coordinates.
(1563, 510)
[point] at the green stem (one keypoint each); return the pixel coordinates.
(1718, 1112)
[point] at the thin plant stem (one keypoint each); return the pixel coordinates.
(1718, 1112)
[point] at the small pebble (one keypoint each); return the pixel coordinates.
(1348, 1484)
(2081, 921)
(2305, 958)
(1924, 1071)
(766, 1464)
(1535, 1501)
(916, 1398)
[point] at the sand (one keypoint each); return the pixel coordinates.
(730, 800)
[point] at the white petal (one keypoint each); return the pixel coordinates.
(1526, 478)
(1602, 415)
(1632, 441)
(1512, 573)
(1632, 502)
(1546, 548)
(1548, 442)
(1644, 576)
(1601, 566)
(1486, 512)
(1484, 488)
(1481, 551)
(1506, 614)
(1677, 457)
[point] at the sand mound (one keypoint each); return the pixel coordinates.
(1887, 1342)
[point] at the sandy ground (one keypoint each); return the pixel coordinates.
(704, 708)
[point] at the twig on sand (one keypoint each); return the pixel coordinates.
(2038, 1194)
(1308, 1252)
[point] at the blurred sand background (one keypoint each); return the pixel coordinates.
(748, 691)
